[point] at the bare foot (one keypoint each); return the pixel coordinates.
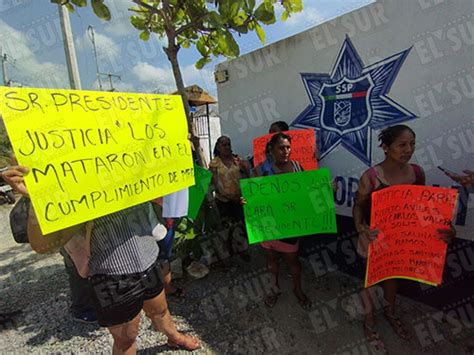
(186, 342)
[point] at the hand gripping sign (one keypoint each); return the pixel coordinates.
(289, 205)
(94, 153)
(408, 218)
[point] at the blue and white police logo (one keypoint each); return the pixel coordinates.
(348, 104)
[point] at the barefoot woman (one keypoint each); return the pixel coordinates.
(122, 269)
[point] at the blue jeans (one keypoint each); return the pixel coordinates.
(166, 245)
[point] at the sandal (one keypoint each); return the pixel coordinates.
(190, 343)
(373, 338)
(397, 325)
(304, 301)
(271, 299)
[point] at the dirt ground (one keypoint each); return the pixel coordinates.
(225, 310)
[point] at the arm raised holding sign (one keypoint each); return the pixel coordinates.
(39, 243)
(123, 254)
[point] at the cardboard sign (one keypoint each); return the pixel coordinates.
(197, 192)
(408, 218)
(289, 205)
(94, 153)
(303, 148)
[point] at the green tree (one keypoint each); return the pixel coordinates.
(209, 25)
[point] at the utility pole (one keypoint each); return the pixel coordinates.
(90, 30)
(5, 58)
(68, 40)
(110, 75)
(4, 67)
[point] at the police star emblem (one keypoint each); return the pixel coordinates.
(351, 102)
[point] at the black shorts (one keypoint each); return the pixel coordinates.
(118, 299)
(230, 210)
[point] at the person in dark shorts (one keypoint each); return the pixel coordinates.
(122, 268)
(227, 170)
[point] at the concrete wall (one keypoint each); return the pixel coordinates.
(435, 83)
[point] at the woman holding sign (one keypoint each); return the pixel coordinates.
(118, 253)
(398, 143)
(279, 147)
(275, 127)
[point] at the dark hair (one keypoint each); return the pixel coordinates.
(276, 137)
(282, 125)
(388, 135)
(216, 151)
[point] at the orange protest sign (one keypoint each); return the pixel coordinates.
(303, 148)
(408, 246)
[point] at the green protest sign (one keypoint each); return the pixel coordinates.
(198, 192)
(289, 205)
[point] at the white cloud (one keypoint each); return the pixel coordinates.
(124, 87)
(120, 27)
(163, 79)
(118, 85)
(203, 77)
(120, 24)
(155, 77)
(309, 16)
(104, 44)
(26, 68)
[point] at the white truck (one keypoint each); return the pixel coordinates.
(393, 61)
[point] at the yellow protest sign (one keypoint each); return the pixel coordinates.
(94, 153)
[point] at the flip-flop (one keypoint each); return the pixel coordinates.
(271, 299)
(373, 339)
(397, 325)
(306, 303)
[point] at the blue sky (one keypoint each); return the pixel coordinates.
(31, 37)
